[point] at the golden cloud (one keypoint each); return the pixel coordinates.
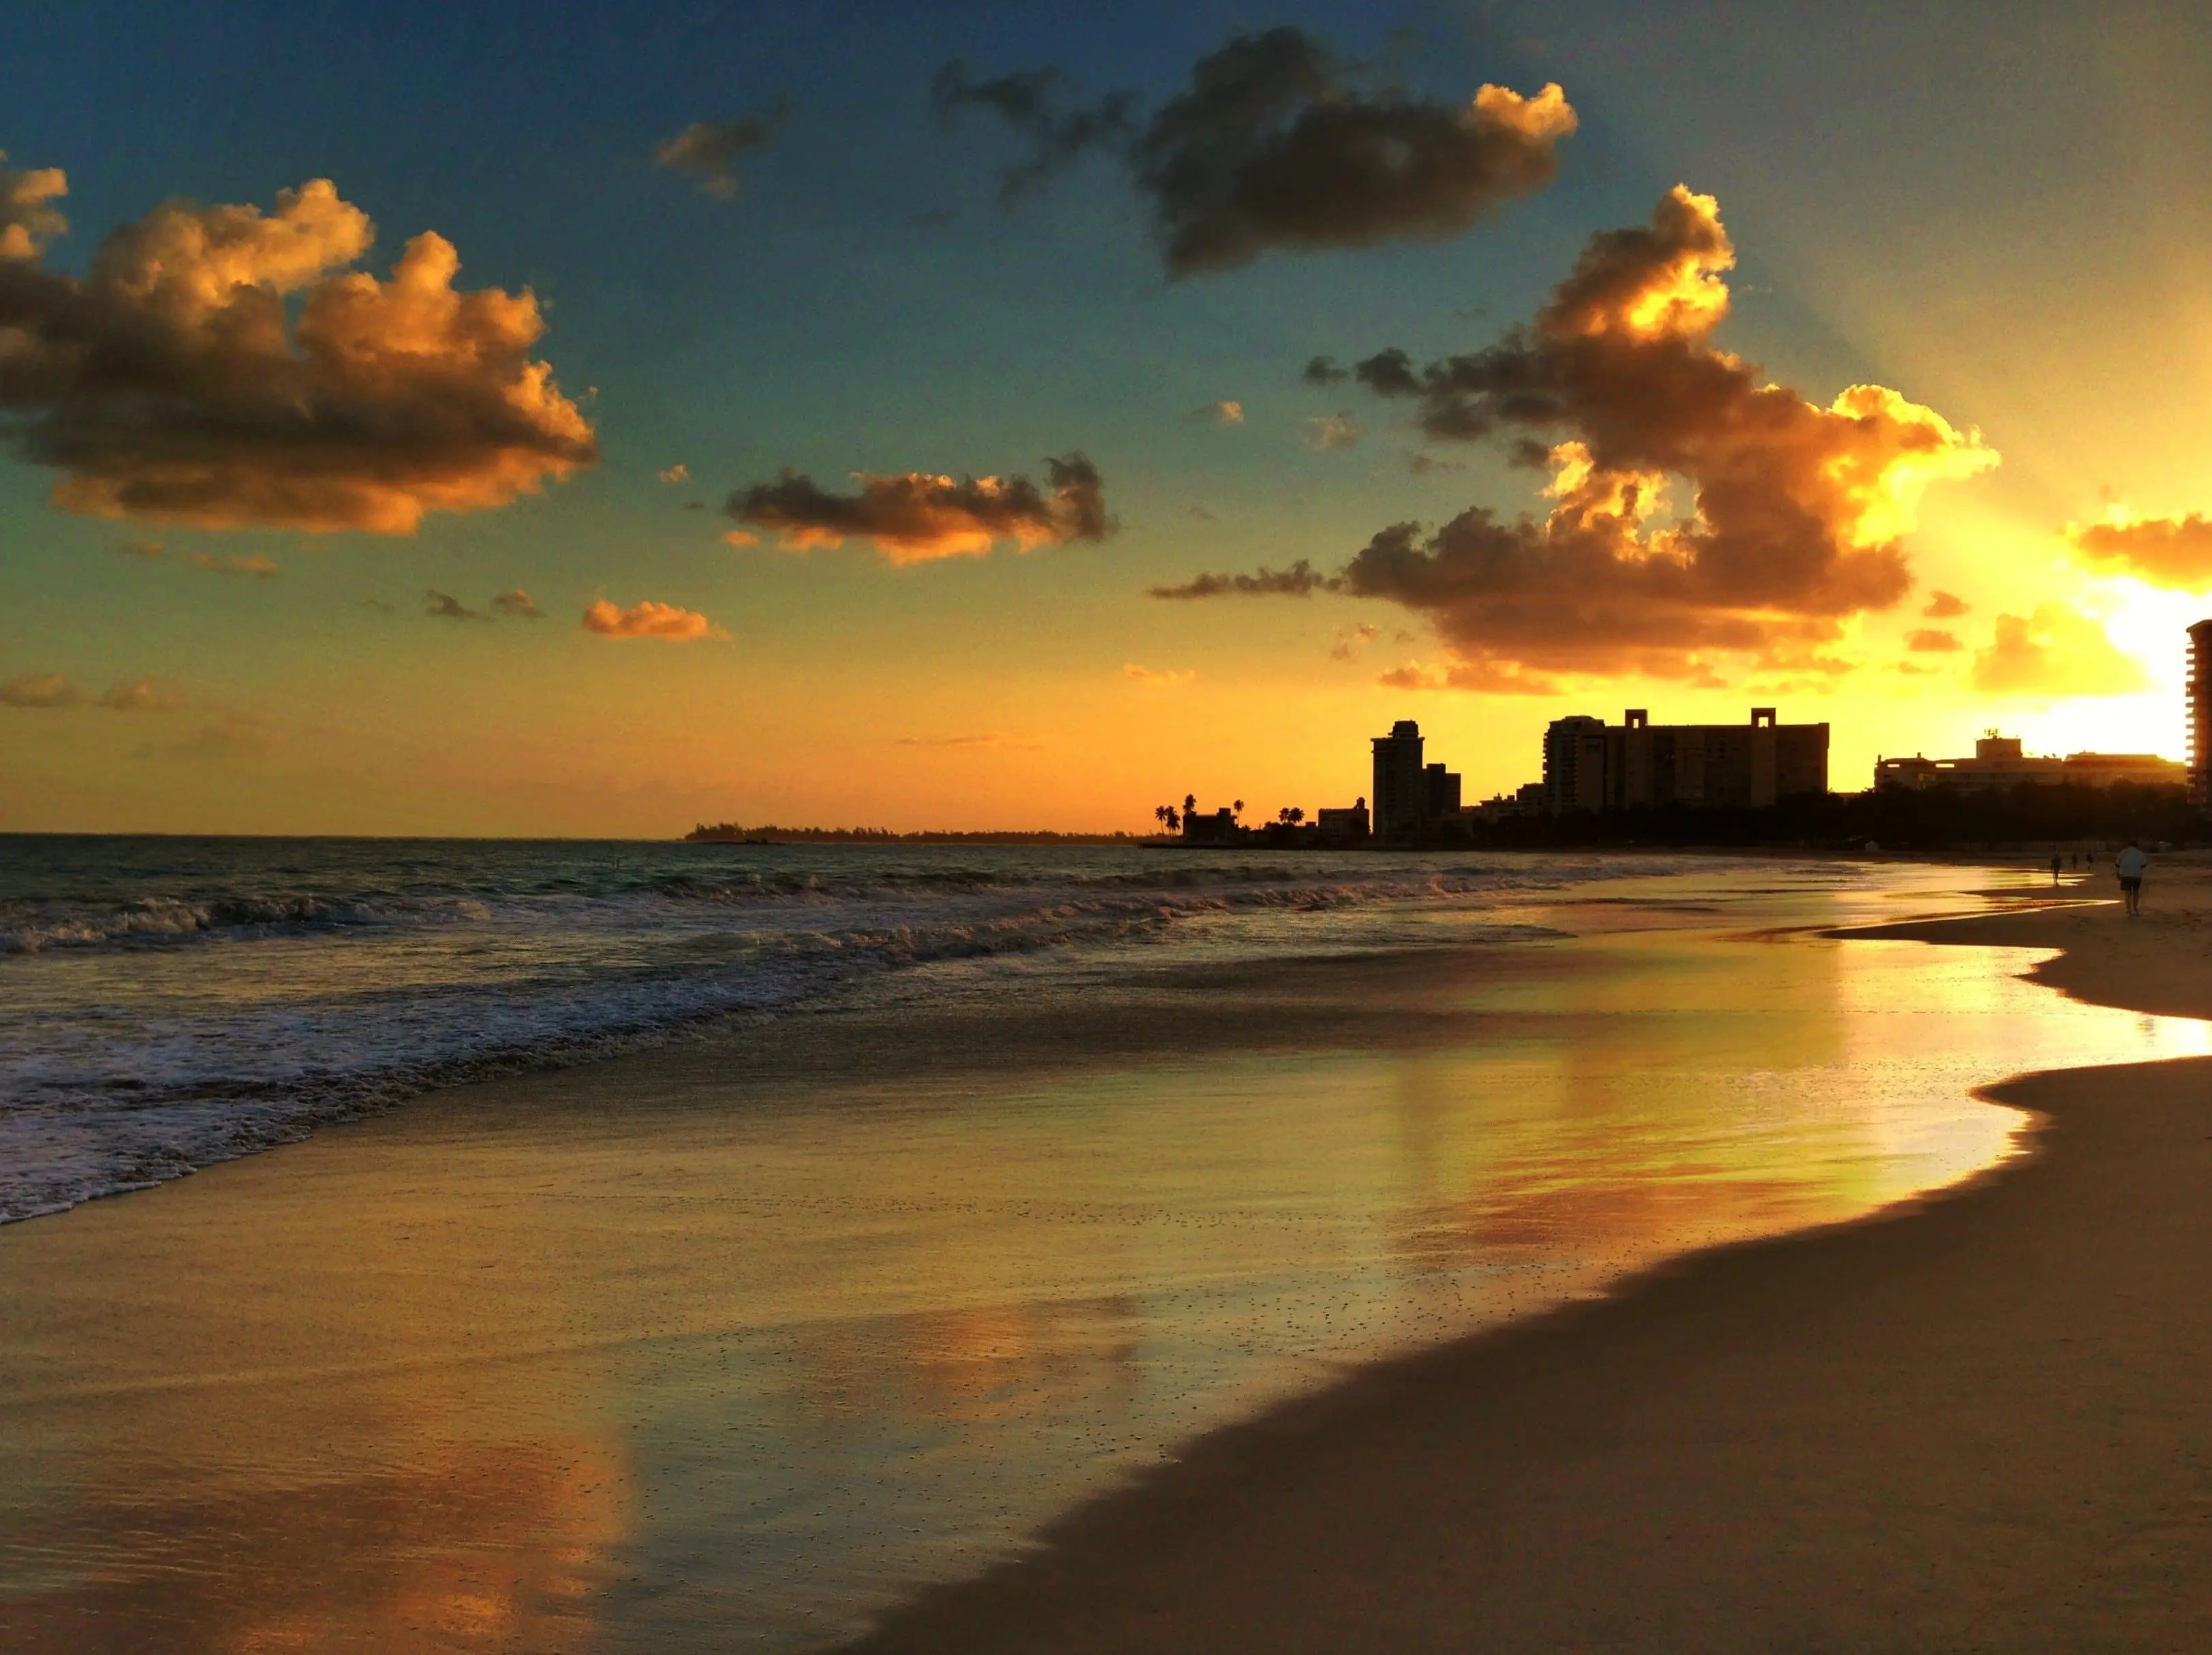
(2175, 552)
(173, 382)
(914, 517)
(1944, 606)
(40, 689)
(141, 695)
(2055, 652)
(1797, 511)
(28, 218)
(1159, 678)
(1930, 640)
(651, 619)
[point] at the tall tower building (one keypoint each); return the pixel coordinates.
(2200, 713)
(1400, 784)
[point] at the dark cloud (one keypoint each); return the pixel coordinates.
(1027, 102)
(1278, 144)
(444, 606)
(914, 517)
(224, 369)
(1929, 640)
(709, 150)
(1943, 606)
(1301, 580)
(256, 564)
(518, 603)
(2175, 552)
(1324, 371)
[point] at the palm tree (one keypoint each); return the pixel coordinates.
(1237, 808)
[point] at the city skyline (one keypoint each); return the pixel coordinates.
(957, 437)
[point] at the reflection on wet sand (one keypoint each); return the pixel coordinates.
(490, 1546)
(728, 1346)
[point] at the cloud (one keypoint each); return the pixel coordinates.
(1325, 432)
(709, 149)
(1942, 606)
(1483, 677)
(2174, 552)
(678, 472)
(1796, 511)
(1301, 580)
(914, 517)
(1324, 371)
(261, 567)
(225, 369)
(741, 537)
(1277, 144)
(1422, 464)
(1159, 679)
(1026, 101)
(1928, 640)
(40, 689)
(518, 603)
(986, 738)
(1222, 413)
(148, 549)
(28, 219)
(444, 606)
(1352, 639)
(651, 619)
(141, 695)
(2055, 652)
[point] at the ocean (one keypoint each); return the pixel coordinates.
(169, 1002)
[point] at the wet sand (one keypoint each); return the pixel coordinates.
(1980, 1422)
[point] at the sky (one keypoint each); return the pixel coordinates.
(557, 420)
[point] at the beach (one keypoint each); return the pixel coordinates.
(1980, 1422)
(1219, 1294)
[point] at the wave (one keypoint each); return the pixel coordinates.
(144, 1036)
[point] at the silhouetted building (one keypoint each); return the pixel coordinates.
(1589, 765)
(1999, 763)
(1439, 793)
(1413, 801)
(2200, 713)
(1400, 783)
(1214, 828)
(1337, 825)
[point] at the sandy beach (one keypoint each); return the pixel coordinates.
(1981, 1421)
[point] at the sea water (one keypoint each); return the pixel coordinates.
(169, 1002)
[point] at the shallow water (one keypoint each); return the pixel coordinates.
(690, 1352)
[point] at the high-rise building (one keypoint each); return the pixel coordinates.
(2200, 712)
(1636, 764)
(1400, 783)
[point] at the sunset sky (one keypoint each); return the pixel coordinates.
(830, 418)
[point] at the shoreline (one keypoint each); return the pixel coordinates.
(1978, 1418)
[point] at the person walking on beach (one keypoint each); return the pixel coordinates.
(2130, 866)
(2054, 871)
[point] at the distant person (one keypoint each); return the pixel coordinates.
(2054, 871)
(2130, 866)
(2075, 861)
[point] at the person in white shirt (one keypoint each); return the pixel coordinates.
(2130, 866)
